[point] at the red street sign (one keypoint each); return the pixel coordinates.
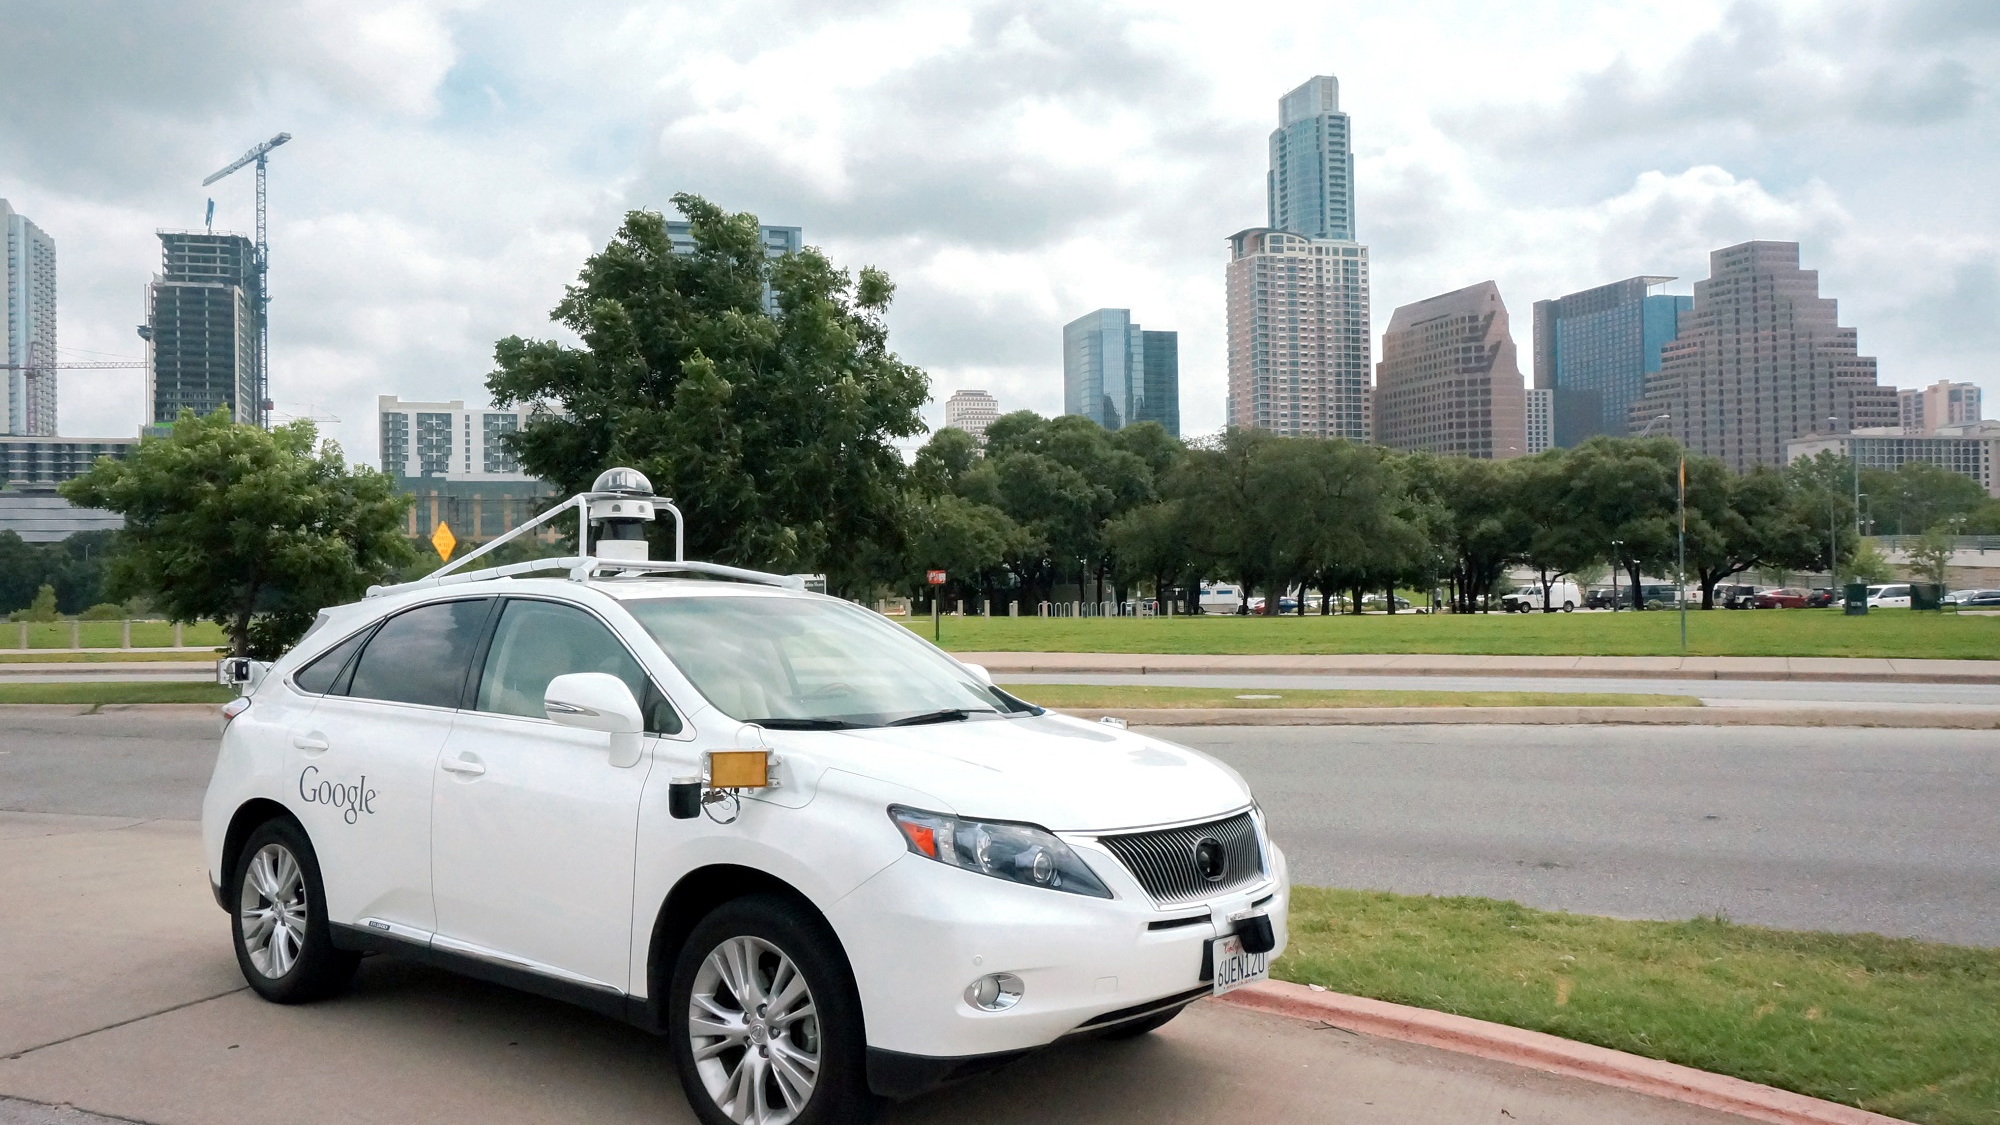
(935, 577)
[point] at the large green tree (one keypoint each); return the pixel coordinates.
(1624, 496)
(1737, 522)
(254, 530)
(773, 429)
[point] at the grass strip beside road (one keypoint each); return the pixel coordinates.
(106, 694)
(206, 657)
(1900, 1027)
(1120, 696)
(106, 634)
(1886, 633)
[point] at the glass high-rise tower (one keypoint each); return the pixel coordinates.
(27, 327)
(1116, 373)
(1594, 349)
(1311, 182)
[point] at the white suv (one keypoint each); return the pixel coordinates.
(826, 860)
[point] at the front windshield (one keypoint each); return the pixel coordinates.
(806, 663)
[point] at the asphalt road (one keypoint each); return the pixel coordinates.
(1892, 831)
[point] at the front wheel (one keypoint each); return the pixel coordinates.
(1569, 607)
(765, 1024)
(284, 944)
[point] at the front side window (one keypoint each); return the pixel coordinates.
(421, 655)
(803, 663)
(537, 641)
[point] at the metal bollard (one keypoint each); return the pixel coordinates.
(75, 635)
(177, 635)
(125, 634)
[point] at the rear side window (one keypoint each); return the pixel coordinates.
(537, 641)
(319, 676)
(422, 655)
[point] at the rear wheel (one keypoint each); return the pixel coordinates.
(765, 1024)
(284, 944)
(1569, 607)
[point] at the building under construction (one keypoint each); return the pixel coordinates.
(202, 325)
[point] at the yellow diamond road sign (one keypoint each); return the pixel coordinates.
(444, 540)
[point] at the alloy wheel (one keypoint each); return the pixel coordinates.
(754, 1032)
(272, 910)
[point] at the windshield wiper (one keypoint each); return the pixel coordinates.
(943, 715)
(804, 724)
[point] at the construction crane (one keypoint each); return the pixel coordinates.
(258, 156)
(36, 365)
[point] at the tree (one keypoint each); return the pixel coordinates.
(1736, 522)
(1918, 496)
(1930, 558)
(43, 608)
(1624, 497)
(1151, 544)
(1555, 547)
(1822, 494)
(1478, 532)
(253, 530)
(774, 430)
(1865, 564)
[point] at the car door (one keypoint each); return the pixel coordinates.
(534, 827)
(366, 756)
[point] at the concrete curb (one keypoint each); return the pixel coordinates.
(1905, 718)
(1793, 668)
(1549, 1053)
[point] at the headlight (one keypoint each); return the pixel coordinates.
(1018, 853)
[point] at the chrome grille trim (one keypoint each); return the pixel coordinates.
(1163, 860)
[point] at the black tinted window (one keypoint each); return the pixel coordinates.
(318, 676)
(421, 656)
(537, 641)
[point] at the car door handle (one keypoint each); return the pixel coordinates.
(313, 741)
(462, 765)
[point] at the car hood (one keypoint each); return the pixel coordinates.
(1061, 773)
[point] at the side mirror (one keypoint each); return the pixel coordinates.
(598, 701)
(979, 671)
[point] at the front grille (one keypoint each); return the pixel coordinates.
(1164, 861)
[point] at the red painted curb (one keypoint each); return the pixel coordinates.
(1550, 1053)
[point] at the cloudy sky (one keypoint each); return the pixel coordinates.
(1012, 165)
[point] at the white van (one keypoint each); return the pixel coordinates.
(1564, 595)
(1895, 595)
(1218, 598)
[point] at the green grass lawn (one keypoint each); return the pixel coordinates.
(1089, 695)
(107, 634)
(1787, 632)
(193, 658)
(1905, 1028)
(102, 694)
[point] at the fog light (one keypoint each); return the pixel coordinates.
(994, 992)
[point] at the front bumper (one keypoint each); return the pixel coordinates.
(919, 932)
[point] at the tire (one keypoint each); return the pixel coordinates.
(1146, 1026)
(776, 947)
(1569, 607)
(283, 942)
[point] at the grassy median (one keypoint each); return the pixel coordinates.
(107, 634)
(1090, 695)
(1900, 1027)
(1772, 632)
(103, 694)
(49, 656)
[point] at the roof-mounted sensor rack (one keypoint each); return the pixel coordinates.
(620, 503)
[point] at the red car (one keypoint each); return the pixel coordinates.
(1785, 598)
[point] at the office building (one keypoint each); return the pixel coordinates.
(1594, 349)
(27, 328)
(778, 242)
(52, 460)
(446, 440)
(1298, 341)
(38, 515)
(202, 320)
(1116, 374)
(1449, 380)
(971, 410)
(1310, 187)
(1943, 403)
(1760, 359)
(1541, 421)
(1969, 449)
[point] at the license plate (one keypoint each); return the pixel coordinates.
(1234, 968)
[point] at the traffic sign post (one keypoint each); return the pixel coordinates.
(936, 579)
(443, 540)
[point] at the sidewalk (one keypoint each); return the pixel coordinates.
(1821, 668)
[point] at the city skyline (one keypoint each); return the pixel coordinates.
(440, 192)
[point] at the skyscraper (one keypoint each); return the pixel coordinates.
(972, 411)
(1761, 359)
(201, 328)
(1595, 348)
(27, 328)
(1449, 380)
(1310, 186)
(1541, 420)
(1116, 373)
(1298, 288)
(1943, 403)
(778, 242)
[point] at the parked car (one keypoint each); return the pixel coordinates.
(1660, 595)
(1893, 595)
(1734, 596)
(1984, 599)
(1375, 601)
(824, 860)
(1563, 595)
(1220, 598)
(1784, 597)
(1285, 605)
(1606, 597)
(1822, 597)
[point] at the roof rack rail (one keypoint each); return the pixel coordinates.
(584, 569)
